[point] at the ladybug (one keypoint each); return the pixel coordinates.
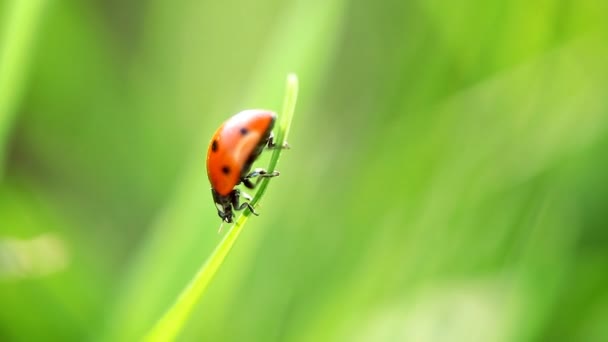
(236, 144)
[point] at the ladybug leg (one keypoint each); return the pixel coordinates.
(271, 144)
(235, 202)
(247, 182)
(246, 196)
(259, 172)
(247, 205)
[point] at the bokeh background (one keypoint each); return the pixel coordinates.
(446, 182)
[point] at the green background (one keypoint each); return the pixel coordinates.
(446, 182)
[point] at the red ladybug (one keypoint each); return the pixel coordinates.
(234, 147)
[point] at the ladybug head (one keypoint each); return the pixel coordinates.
(223, 205)
(226, 215)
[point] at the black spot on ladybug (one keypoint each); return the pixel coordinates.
(226, 169)
(214, 146)
(244, 131)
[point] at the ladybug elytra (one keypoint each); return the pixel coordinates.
(236, 144)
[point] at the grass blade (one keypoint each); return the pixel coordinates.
(172, 321)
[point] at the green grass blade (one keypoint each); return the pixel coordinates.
(21, 19)
(172, 321)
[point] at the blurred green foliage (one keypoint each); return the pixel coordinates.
(446, 180)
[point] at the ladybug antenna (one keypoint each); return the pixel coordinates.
(221, 225)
